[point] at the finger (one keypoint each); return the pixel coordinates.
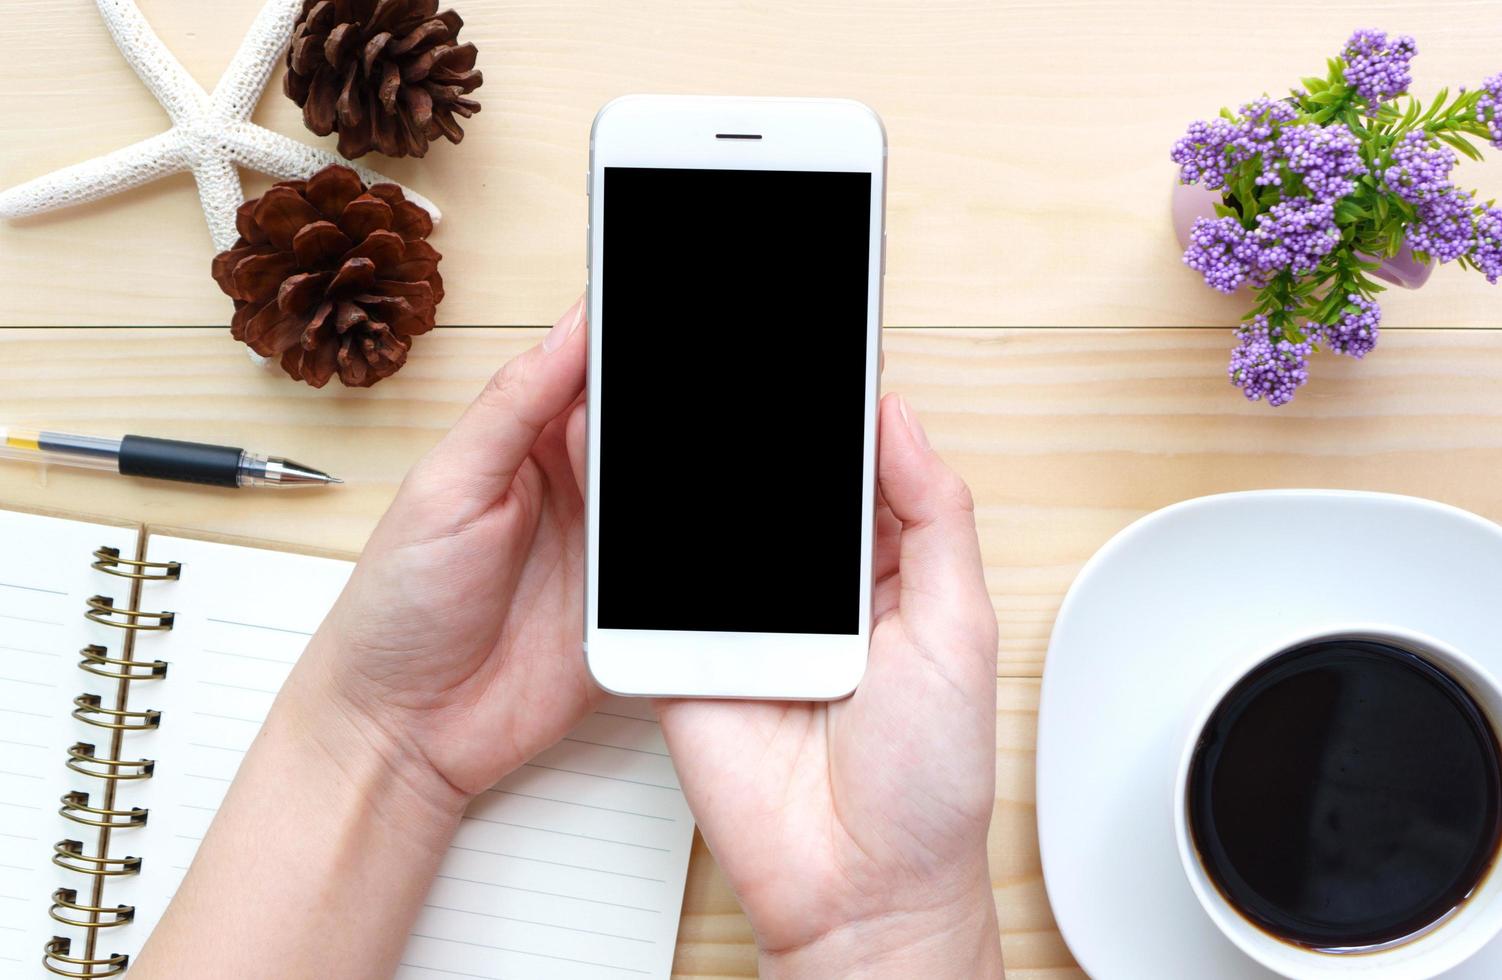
(888, 540)
(886, 584)
(940, 562)
(552, 453)
(482, 452)
(578, 437)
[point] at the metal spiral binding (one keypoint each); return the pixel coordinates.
(66, 900)
(82, 760)
(76, 808)
(108, 560)
(74, 907)
(57, 961)
(96, 661)
(69, 854)
(102, 610)
(85, 706)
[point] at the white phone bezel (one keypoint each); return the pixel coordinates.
(682, 132)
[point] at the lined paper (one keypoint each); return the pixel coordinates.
(572, 867)
(45, 583)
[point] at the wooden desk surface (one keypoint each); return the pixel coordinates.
(1029, 171)
(1065, 435)
(1029, 187)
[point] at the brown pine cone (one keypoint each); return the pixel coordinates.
(332, 276)
(384, 74)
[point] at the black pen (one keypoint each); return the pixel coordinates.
(161, 459)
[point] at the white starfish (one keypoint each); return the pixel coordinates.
(210, 133)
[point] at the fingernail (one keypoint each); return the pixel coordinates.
(564, 328)
(913, 425)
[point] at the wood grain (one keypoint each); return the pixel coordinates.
(1028, 186)
(1029, 177)
(1066, 436)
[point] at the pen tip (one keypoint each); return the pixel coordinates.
(335, 479)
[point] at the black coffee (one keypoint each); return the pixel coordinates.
(1346, 795)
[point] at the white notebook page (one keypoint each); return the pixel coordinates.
(572, 867)
(45, 583)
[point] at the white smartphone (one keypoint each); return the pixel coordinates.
(735, 270)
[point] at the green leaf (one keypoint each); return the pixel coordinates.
(1246, 193)
(1348, 211)
(1460, 143)
(1367, 286)
(1438, 103)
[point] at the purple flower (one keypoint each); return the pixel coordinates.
(1295, 235)
(1355, 333)
(1203, 153)
(1489, 108)
(1420, 170)
(1262, 120)
(1265, 367)
(1446, 226)
(1218, 251)
(1328, 158)
(1378, 67)
(1209, 151)
(1487, 250)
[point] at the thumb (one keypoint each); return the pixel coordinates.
(576, 437)
(940, 567)
(483, 451)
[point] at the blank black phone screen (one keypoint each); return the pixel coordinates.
(732, 399)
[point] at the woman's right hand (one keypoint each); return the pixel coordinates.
(854, 833)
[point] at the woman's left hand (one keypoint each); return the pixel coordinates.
(459, 637)
(453, 655)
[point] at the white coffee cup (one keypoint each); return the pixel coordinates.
(1441, 948)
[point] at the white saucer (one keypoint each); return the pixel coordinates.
(1142, 628)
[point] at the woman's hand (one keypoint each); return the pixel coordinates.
(460, 633)
(854, 833)
(452, 656)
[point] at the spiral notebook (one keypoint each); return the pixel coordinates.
(136, 667)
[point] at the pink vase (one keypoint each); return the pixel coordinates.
(1191, 201)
